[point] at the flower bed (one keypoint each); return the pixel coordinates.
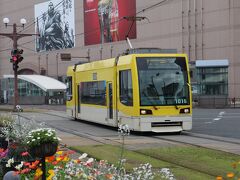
(23, 157)
(62, 166)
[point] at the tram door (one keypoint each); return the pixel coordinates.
(109, 101)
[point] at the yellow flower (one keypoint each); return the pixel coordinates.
(58, 159)
(51, 172)
(66, 159)
(59, 152)
(230, 175)
(38, 172)
(90, 178)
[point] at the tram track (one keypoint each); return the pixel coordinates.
(229, 145)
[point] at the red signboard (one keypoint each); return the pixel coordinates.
(104, 20)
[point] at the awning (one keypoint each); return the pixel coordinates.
(44, 82)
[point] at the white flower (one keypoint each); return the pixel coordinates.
(18, 167)
(84, 155)
(90, 160)
(9, 162)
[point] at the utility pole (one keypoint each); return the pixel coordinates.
(16, 58)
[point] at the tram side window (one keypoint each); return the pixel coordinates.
(126, 90)
(93, 93)
(69, 88)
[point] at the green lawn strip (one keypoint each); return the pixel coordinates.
(134, 159)
(201, 159)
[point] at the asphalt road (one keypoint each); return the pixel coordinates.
(217, 122)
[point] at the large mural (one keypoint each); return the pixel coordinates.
(104, 20)
(56, 25)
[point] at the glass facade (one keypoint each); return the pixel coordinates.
(24, 88)
(212, 80)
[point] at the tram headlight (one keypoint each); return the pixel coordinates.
(145, 111)
(185, 110)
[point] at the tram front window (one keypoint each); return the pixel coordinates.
(163, 81)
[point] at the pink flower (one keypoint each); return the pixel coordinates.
(25, 153)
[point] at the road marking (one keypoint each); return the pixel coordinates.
(208, 122)
(220, 116)
(222, 113)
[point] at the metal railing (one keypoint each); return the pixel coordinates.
(215, 102)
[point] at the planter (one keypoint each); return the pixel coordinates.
(3, 143)
(44, 150)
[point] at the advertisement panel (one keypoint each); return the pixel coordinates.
(104, 20)
(55, 24)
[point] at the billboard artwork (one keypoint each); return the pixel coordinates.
(55, 24)
(104, 20)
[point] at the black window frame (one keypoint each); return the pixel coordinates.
(126, 91)
(96, 96)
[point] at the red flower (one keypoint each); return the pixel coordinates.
(26, 163)
(25, 171)
(34, 164)
(25, 153)
(13, 146)
(54, 162)
(71, 152)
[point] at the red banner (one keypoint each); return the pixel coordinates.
(104, 20)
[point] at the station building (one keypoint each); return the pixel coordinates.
(33, 89)
(89, 30)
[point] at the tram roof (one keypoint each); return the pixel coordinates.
(44, 82)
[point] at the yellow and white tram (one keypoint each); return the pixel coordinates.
(147, 90)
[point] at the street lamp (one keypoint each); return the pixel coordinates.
(16, 53)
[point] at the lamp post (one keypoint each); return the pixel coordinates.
(15, 36)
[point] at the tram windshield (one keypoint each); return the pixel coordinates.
(163, 81)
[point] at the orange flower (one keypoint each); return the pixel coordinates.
(50, 159)
(230, 175)
(1, 150)
(109, 176)
(219, 178)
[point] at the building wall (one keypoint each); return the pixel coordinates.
(201, 28)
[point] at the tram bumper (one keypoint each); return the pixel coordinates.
(159, 124)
